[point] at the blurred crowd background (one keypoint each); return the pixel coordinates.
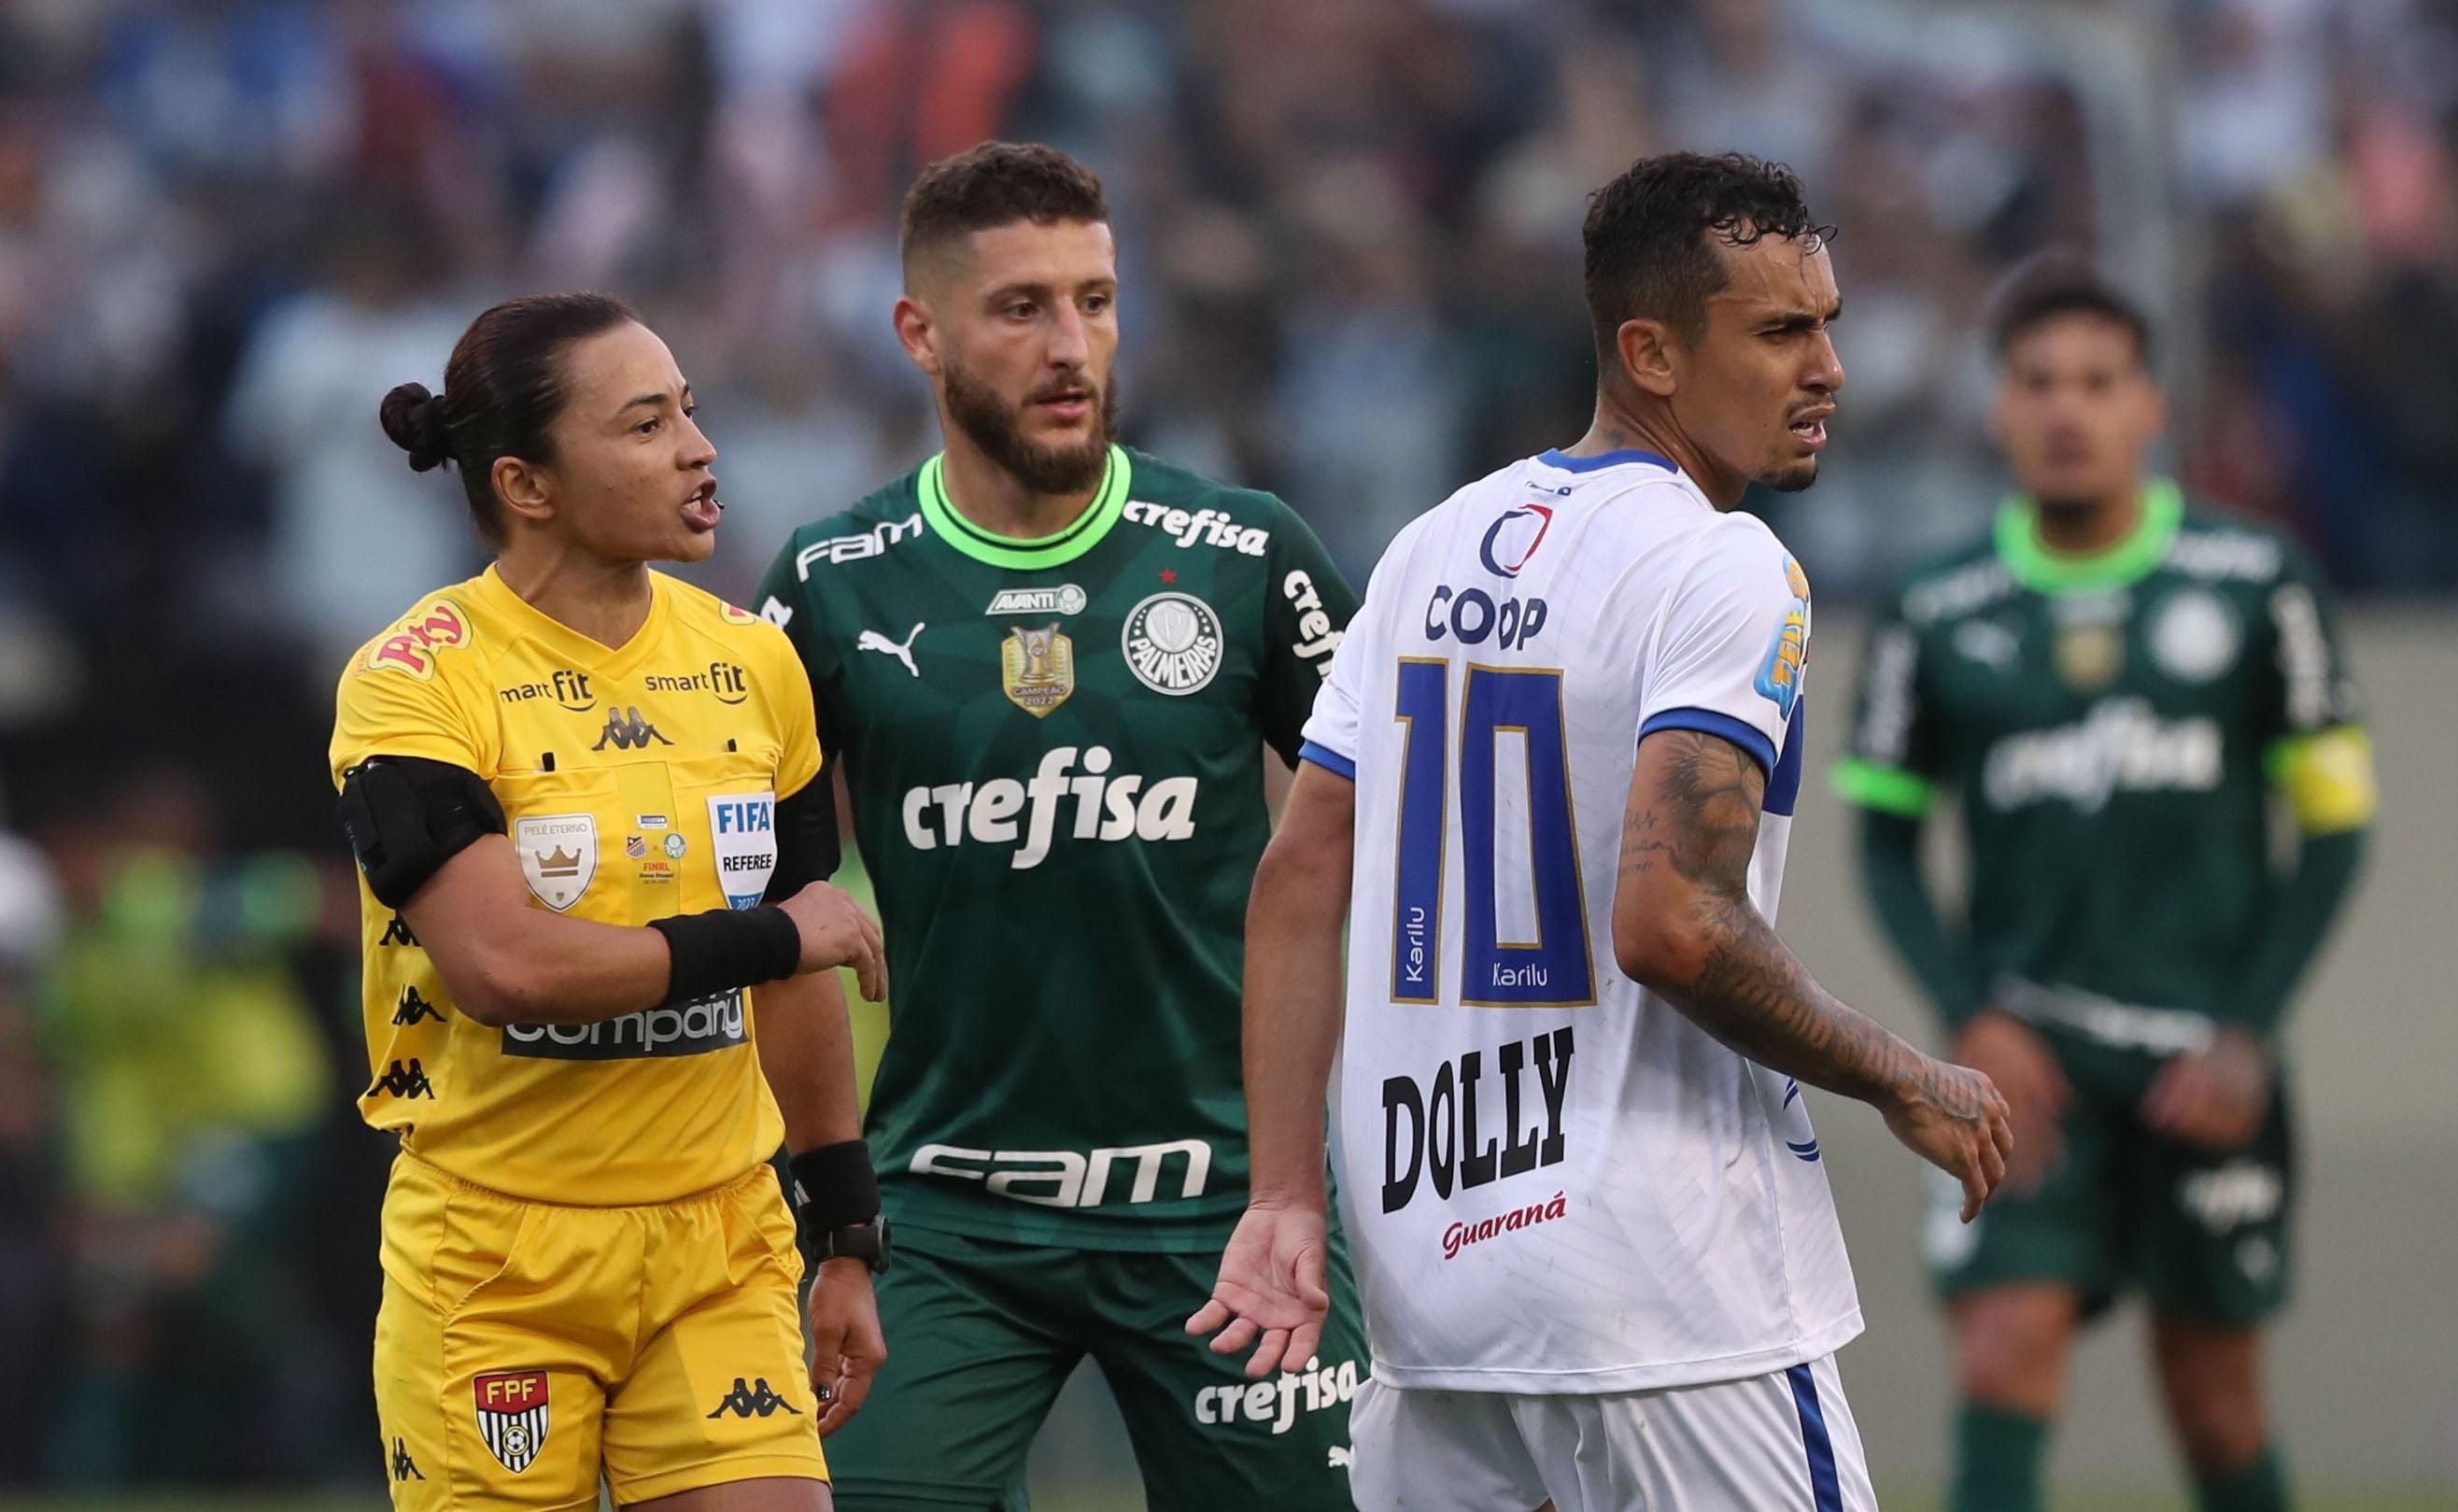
(1348, 232)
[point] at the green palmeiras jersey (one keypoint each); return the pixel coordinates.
(1055, 752)
(2111, 728)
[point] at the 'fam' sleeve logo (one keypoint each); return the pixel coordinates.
(411, 646)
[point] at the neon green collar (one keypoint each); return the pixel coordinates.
(2124, 562)
(1057, 549)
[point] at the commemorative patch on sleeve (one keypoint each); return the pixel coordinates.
(1788, 656)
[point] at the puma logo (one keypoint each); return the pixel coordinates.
(873, 640)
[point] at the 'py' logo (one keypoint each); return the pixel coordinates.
(412, 645)
(1507, 556)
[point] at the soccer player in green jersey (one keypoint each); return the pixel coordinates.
(2114, 690)
(1049, 669)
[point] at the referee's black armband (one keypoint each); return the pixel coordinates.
(406, 816)
(807, 847)
(724, 948)
(834, 1186)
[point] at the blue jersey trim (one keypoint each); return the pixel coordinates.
(1328, 759)
(1784, 788)
(1611, 459)
(1825, 1486)
(1707, 721)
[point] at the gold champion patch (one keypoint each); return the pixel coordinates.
(2089, 656)
(1037, 668)
(2089, 650)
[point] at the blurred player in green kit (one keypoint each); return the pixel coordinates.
(1053, 671)
(2117, 693)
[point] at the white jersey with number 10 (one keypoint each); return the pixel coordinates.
(1553, 1182)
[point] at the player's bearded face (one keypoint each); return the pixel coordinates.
(1759, 386)
(1058, 464)
(632, 478)
(1025, 336)
(2075, 408)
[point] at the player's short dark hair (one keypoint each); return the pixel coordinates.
(2058, 283)
(992, 185)
(1647, 235)
(503, 389)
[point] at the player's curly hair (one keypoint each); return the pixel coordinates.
(503, 389)
(1647, 236)
(992, 185)
(2061, 281)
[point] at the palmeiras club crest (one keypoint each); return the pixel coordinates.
(512, 1416)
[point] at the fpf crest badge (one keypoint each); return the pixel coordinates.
(512, 1416)
(1037, 668)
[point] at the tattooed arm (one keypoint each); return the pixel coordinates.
(1684, 928)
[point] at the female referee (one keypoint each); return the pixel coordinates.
(582, 797)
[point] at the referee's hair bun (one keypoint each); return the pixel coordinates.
(414, 419)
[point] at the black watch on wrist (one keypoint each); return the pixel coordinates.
(867, 1242)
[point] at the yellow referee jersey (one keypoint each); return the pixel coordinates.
(636, 781)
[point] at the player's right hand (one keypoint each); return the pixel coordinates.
(2012, 1053)
(1271, 1288)
(838, 932)
(1952, 1117)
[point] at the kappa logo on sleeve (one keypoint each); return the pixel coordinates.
(410, 647)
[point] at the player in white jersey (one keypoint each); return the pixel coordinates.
(1548, 786)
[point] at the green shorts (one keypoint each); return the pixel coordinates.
(982, 1333)
(2203, 1234)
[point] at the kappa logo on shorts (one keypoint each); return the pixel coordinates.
(513, 1415)
(753, 1399)
(403, 1467)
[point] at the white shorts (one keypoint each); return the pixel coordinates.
(1780, 1442)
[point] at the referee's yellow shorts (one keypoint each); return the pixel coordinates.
(523, 1348)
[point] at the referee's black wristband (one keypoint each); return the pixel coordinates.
(724, 948)
(833, 1186)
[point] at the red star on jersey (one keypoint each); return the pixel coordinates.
(1169, 574)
